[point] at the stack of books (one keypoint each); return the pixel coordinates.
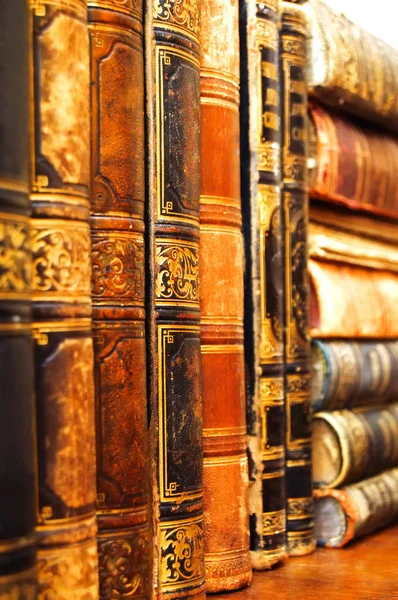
(156, 259)
(354, 279)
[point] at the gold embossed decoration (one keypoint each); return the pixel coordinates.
(177, 279)
(181, 548)
(181, 13)
(15, 257)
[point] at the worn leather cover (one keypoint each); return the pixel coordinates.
(118, 294)
(60, 238)
(261, 195)
(352, 373)
(354, 164)
(367, 443)
(18, 474)
(173, 92)
(352, 302)
(295, 222)
(225, 475)
(351, 69)
(367, 506)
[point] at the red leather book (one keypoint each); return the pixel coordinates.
(225, 477)
(354, 164)
(118, 294)
(352, 302)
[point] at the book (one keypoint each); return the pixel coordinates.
(361, 80)
(18, 471)
(261, 206)
(353, 163)
(173, 315)
(352, 302)
(225, 467)
(296, 291)
(61, 272)
(350, 445)
(356, 510)
(118, 295)
(349, 373)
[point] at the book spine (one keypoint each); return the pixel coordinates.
(225, 468)
(366, 506)
(350, 374)
(18, 473)
(118, 295)
(60, 238)
(355, 166)
(366, 443)
(362, 78)
(268, 526)
(173, 92)
(338, 310)
(295, 216)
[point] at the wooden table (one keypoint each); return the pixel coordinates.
(365, 570)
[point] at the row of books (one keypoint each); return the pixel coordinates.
(156, 433)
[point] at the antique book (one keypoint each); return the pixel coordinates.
(332, 243)
(352, 302)
(296, 293)
(261, 195)
(60, 239)
(174, 361)
(362, 78)
(352, 444)
(18, 473)
(356, 510)
(352, 164)
(118, 295)
(350, 373)
(225, 468)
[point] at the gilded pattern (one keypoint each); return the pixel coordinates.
(61, 257)
(177, 278)
(181, 553)
(182, 14)
(274, 522)
(299, 508)
(15, 256)
(118, 267)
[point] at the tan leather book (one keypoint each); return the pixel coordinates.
(118, 294)
(60, 238)
(225, 474)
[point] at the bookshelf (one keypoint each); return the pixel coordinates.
(365, 570)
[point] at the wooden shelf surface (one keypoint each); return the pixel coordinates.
(364, 570)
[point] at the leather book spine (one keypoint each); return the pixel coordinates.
(353, 444)
(361, 80)
(358, 509)
(60, 238)
(296, 293)
(264, 300)
(352, 302)
(347, 374)
(18, 472)
(118, 296)
(225, 467)
(173, 92)
(355, 165)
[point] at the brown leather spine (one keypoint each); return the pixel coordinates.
(352, 302)
(354, 165)
(352, 69)
(118, 294)
(296, 290)
(173, 93)
(60, 237)
(18, 470)
(225, 478)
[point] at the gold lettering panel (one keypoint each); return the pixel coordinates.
(15, 257)
(61, 258)
(177, 276)
(298, 432)
(181, 553)
(271, 407)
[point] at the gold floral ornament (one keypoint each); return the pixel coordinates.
(178, 275)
